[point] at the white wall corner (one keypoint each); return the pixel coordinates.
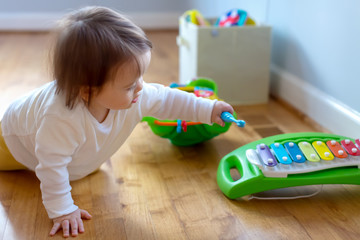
(319, 106)
(47, 21)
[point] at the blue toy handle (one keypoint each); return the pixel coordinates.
(178, 127)
(228, 117)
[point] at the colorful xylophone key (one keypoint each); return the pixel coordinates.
(265, 155)
(350, 147)
(336, 149)
(295, 152)
(323, 151)
(280, 153)
(309, 152)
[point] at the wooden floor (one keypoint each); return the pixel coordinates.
(153, 190)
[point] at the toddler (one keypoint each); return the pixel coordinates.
(67, 128)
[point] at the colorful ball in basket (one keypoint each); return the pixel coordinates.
(195, 17)
(234, 17)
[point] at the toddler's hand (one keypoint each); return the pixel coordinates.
(72, 220)
(220, 107)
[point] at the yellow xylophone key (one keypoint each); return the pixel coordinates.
(323, 151)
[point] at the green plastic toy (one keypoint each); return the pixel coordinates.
(260, 173)
(191, 132)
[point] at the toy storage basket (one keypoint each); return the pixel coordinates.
(236, 58)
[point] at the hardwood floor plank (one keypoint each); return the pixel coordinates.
(23, 207)
(138, 222)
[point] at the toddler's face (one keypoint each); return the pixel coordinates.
(124, 90)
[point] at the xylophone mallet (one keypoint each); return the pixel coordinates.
(228, 117)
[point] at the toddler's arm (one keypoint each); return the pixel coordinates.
(169, 103)
(55, 144)
(166, 103)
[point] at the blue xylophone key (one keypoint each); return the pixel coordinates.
(280, 153)
(295, 152)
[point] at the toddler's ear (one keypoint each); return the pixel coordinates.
(85, 93)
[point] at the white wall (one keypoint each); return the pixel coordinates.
(42, 14)
(64, 5)
(315, 53)
(319, 42)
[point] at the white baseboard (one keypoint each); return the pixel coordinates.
(47, 21)
(319, 106)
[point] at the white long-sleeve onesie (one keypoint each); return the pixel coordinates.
(61, 145)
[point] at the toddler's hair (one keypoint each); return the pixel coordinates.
(91, 41)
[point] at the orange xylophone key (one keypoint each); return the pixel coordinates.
(336, 149)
